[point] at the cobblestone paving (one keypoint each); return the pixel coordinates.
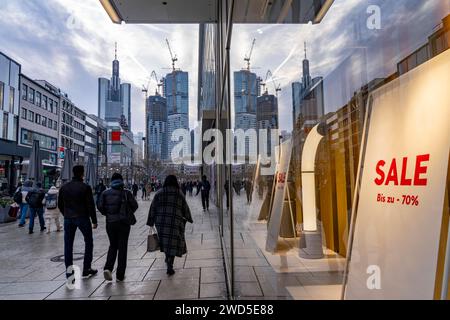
(27, 272)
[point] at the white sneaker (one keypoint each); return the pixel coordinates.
(108, 275)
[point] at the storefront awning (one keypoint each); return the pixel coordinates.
(205, 11)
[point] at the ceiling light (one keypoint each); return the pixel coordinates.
(111, 11)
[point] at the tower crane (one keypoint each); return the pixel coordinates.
(264, 83)
(249, 56)
(172, 56)
(159, 83)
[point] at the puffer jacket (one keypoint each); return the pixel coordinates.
(110, 201)
(76, 200)
(51, 213)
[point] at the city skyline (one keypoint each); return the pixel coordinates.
(82, 37)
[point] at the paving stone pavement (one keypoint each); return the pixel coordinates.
(27, 272)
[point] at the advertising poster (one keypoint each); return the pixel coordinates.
(278, 200)
(399, 213)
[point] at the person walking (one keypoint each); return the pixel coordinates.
(118, 206)
(204, 187)
(51, 209)
(35, 199)
(76, 204)
(169, 212)
(248, 190)
(227, 193)
(24, 208)
(135, 189)
(144, 193)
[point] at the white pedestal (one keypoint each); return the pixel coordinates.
(311, 245)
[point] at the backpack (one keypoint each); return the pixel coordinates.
(34, 199)
(18, 196)
(51, 201)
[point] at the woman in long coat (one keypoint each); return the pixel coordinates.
(169, 212)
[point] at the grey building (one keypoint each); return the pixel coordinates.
(39, 119)
(114, 98)
(9, 118)
(267, 117)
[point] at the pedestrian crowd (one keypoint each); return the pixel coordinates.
(77, 203)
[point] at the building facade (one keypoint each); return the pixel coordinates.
(39, 119)
(176, 92)
(9, 118)
(91, 138)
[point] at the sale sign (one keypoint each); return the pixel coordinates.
(397, 218)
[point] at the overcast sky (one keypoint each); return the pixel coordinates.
(70, 43)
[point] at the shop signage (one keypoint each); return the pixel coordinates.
(281, 176)
(397, 226)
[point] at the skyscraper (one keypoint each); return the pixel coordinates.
(156, 128)
(176, 91)
(307, 99)
(267, 118)
(114, 98)
(246, 91)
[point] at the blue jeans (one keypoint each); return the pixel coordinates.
(40, 213)
(23, 213)
(70, 228)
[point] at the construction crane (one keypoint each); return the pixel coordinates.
(173, 57)
(159, 83)
(249, 56)
(264, 83)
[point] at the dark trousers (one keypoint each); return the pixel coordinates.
(70, 228)
(205, 199)
(37, 212)
(118, 233)
(169, 261)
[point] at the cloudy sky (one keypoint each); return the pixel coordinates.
(70, 43)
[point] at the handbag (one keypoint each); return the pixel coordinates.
(153, 240)
(128, 216)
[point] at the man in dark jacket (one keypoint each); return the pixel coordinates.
(204, 187)
(34, 199)
(114, 203)
(76, 204)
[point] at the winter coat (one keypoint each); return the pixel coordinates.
(110, 201)
(75, 200)
(169, 212)
(51, 213)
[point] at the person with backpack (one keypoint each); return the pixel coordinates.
(20, 199)
(51, 209)
(119, 206)
(35, 199)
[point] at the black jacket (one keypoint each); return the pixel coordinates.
(204, 187)
(76, 200)
(110, 201)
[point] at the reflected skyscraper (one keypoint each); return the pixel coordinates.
(114, 98)
(176, 92)
(246, 91)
